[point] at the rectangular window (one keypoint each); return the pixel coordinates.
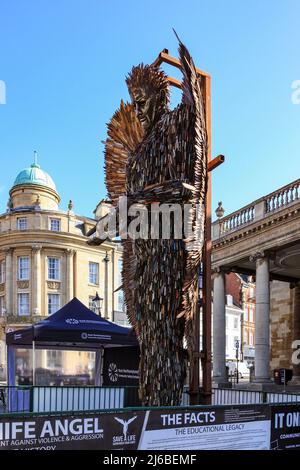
(92, 304)
(235, 323)
(2, 272)
(2, 306)
(23, 304)
(251, 338)
(121, 306)
(93, 273)
(53, 303)
(55, 225)
(22, 223)
(54, 359)
(23, 268)
(120, 267)
(54, 269)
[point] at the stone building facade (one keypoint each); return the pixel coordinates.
(282, 307)
(45, 260)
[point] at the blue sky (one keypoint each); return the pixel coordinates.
(64, 63)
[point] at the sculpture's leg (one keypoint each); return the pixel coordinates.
(157, 302)
(162, 368)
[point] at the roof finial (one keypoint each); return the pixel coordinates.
(35, 163)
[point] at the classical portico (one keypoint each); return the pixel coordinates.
(262, 240)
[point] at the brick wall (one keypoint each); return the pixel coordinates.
(233, 287)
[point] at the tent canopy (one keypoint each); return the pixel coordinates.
(74, 325)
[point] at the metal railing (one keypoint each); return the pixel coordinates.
(257, 210)
(35, 399)
(39, 399)
(229, 396)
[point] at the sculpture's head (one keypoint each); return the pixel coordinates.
(149, 91)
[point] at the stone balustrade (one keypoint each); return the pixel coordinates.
(257, 210)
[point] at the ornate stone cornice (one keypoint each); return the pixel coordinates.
(36, 247)
(7, 250)
(256, 256)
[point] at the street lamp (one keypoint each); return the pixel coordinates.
(97, 304)
(237, 347)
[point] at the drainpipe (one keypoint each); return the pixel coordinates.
(106, 261)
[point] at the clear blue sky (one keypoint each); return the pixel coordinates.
(64, 63)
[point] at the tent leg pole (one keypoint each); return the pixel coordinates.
(33, 363)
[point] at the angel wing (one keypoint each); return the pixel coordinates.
(192, 97)
(124, 134)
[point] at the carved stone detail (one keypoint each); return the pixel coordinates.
(36, 247)
(70, 252)
(256, 256)
(23, 284)
(54, 285)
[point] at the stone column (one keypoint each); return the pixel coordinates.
(296, 336)
(262, 319)
(36, 278)
(9, 281)
(70, 275)
(219, 328)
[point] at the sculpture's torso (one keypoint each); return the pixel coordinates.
(165, 154)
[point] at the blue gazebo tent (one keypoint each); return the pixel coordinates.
(74, 326)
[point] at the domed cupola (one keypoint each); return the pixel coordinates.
(34, 187)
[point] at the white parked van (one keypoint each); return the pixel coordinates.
(244, 371)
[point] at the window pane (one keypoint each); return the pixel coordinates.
(55, 225)
(23, 303)
(120, 267)
(53, 303)
(2, 305)
(121, 306)
(23, 366)
(54, 269)
(22, 223)
(2, 272)
(23, 268)
(93, 273)
(92, 304)
(63, 367)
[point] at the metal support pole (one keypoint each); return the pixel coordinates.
(207, 284)
(33, 363)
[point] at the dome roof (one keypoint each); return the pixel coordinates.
(34, 175)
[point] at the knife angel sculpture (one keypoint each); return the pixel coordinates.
(154, 155)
